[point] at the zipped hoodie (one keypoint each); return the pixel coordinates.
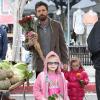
(40, 87)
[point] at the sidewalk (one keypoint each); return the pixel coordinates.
(91, 73)
(90, 96)
(90, 88)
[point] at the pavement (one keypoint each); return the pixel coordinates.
(91, 73)
(88, 96)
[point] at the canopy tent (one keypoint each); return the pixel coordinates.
(30, 7)
(96, 8)
(94, 5)
(6, 19)
(84, 4)
(97, 1)
(31, 4)
(6, 16)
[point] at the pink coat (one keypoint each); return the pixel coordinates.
(75, 91)
(40, 87)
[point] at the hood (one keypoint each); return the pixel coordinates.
(52, 53)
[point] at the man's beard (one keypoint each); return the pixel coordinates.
(42, 17)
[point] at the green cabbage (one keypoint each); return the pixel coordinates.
(4, 64)
(21, 71)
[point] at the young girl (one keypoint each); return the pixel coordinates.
(77, 79)
(51, 81)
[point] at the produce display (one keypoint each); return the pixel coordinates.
(12, 74)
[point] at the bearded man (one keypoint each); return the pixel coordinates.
(50, 37)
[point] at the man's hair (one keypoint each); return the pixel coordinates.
(40, 3)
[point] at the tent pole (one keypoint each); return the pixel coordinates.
(68, 22)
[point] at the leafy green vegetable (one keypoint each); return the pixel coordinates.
(4, 64)
(21, 66)
(21, 71)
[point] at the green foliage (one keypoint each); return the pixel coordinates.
(53, 97)
(21, 71)
(81, 83)
(4, 64)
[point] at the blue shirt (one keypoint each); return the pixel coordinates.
(3, 43)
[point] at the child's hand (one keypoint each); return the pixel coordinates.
(59, 97)
(44, 99)
(81, 83)
(55, 97)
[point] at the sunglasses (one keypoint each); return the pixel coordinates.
(51, 63)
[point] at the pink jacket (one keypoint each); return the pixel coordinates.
(75, 91)
(40, 87)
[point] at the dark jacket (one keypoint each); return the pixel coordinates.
(95, 57)
(3, 43)
(94, 45)
(93, 39)
(57, 44)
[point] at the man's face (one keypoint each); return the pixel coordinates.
(42, 13)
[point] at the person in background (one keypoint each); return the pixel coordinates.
(77, 80)
(5, 27)
(51, 80)
(3, 43)
(50, 37)
(93, 42)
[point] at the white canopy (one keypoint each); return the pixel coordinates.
(84, 4)
(31, 5)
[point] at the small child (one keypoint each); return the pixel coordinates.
(51, 82)
(77, 79)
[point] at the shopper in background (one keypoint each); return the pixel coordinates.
(51, 80)
(3, 43)
(5, 27)
(50, 37)
(77, 80)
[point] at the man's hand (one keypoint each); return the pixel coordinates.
(65, 67)
(32, 38)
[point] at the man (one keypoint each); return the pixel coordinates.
(94, 48)
(3, 43)
(50, 37)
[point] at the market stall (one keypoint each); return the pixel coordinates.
(13, 76)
